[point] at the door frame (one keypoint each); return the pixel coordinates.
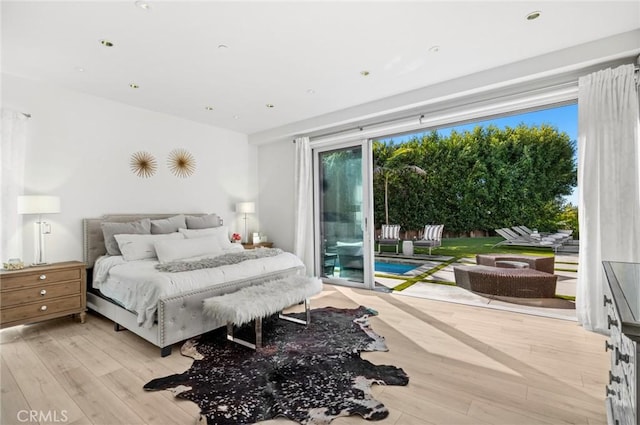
(368, 229)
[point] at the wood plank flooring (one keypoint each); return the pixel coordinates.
(467, 365)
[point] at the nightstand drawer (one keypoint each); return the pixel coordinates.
(35, 311)
(23, 280)
(39, 293)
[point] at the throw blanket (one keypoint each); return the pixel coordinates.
(222, 260)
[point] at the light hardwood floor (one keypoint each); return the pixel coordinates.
(467, 365)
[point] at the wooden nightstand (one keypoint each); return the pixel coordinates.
(258, 245)
(39, 293)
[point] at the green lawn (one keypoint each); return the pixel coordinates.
(469, 247)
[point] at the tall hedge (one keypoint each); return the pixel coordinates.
(479, 180)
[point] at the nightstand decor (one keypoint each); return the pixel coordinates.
(245, 208)
(39, 205)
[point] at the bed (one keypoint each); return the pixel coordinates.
(174, 312)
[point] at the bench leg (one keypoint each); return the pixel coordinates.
(258, 330)
(307, 310)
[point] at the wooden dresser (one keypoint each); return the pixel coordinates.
(43, 292)
(623, 319)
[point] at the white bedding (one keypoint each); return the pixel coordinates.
(137, 285)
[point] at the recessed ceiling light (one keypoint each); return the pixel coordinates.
(143, 5)
(311, 91)
(79, 69)
(270, 105)
(434, 49)
(364, 73)
(134, 86)
(222, 46)
(209, 108)
(533, 15)
(236, 117)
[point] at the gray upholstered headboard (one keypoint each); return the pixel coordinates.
(94, 239)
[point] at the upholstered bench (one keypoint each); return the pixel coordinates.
(253, 303)
(543, 264)
(506, 282)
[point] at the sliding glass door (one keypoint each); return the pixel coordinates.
(343, 208)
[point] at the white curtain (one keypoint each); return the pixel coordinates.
(12, 157)
(609, 182)
(303, 243)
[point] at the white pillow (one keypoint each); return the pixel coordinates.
(140, 247)
(221, 232)
(170, 250)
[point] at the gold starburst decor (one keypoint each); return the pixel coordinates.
(181, 163)
(143, 164)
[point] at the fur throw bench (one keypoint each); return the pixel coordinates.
(252, 303)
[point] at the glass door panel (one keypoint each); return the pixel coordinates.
(344, 251)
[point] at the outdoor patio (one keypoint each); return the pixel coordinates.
(433, 278)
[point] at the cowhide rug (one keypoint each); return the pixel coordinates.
(309, 374)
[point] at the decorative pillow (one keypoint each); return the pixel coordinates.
(204, 222)
(168, 225)
(170, 250)
(140, 247)
(109, 229)
(221, 232)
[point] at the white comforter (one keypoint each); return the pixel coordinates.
(138, 286)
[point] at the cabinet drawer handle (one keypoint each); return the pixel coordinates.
(611, 322)
(44, 292)
(43, 308)
(608, 346)
(614, 378)
(609, 391)
(607, 300)
(43, 276)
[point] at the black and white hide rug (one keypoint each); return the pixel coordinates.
(309, 374)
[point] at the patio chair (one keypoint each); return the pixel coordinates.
(389, 236)
(431, 237)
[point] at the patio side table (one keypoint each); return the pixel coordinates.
(407, 247)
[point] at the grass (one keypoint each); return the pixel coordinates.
(469, 247)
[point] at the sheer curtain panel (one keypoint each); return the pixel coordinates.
(303, 243)
(609, 182)
(12, 157)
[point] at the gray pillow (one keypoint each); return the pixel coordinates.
(204, 222)
(168, 225)
(111, 228)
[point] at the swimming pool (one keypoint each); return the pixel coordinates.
(394, 268)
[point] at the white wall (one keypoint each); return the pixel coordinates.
(79, 148)
(276, 167)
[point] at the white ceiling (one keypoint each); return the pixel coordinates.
(303, 57)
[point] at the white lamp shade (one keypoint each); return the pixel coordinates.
(38, 204)
(246, 207)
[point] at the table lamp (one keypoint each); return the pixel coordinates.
(39, 205)
(245, 208)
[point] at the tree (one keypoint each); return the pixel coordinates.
(392, 165)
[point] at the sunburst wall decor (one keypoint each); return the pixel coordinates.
(181, 163)
(143, 164)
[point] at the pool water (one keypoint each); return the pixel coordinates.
(394, 268)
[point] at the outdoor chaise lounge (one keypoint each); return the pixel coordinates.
(431, 237)
(513, 239)
(389, 236)
(527, 233)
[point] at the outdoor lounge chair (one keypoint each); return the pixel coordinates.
(513, 239)
(389, 236)
(431, 237)
(526, 232)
